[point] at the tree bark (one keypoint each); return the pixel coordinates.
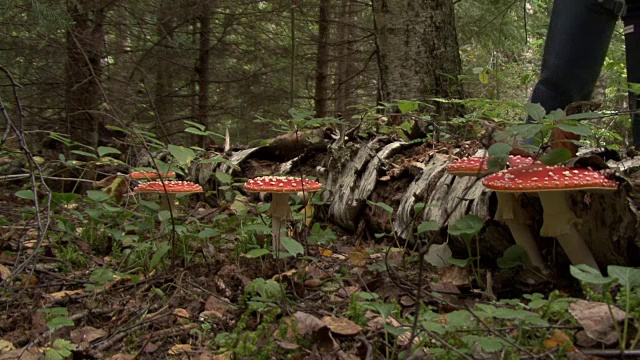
(418, 56)
(85, 49)
(163, 99)
(202, 69)
(344, 68)
(321, 94)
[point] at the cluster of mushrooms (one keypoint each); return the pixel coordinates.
(552, 184)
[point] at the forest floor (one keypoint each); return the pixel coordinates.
(103, 294)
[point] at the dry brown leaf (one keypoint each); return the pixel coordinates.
(86, 334)
(325, 252)
(341, 326)
(359, 257)
(4, 272)
(180, 349)
(61, 295)
(595, 318)
(558, 338)
(32, 353)
(287, 345)
(122, 357)
(6, 346)
(312, 283)
(455, 275)
(218, 305)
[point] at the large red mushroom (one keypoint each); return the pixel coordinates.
(552, 184)
(509, 210)
(280, 187)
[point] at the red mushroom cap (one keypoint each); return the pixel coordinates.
(477, 165)
(537, 178)
(282, 184)
(170, 186)
(150, 175)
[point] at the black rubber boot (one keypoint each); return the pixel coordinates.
(575, 48)
(632, 44)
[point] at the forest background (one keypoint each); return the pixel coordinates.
(91, 64)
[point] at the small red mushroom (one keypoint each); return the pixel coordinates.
(509, 211)
(552, 184)
(280, 187)
(171, 188)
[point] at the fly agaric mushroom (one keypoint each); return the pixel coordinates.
(280, 187)
(509, 211)
(150, 175)
(552, 184)
(171, 188)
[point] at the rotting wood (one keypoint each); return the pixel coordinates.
(344, 206)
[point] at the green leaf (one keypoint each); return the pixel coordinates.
(84, 153)
(195, 131)
(163, 248)
(182, 154)
(106, 150)
(483, 77)
(58, 322)
(536, 111)
(382, 205)
(468, 225)
(555, 115)
(588, 274)
(25, 194)
(499, 149)
(292, 246)
(407, 106)
(434, 327)
(256, 253)
(525, 131)
(460, 262)
(556, 156)
(628, 277)
(439, 255)
(97, 195)
(164, 216)
(428, 226)
(488, 343)
(576, 128)
(65, 198)
(223, 177)
(258, 228)
(208, 233)
(195, 124)
(584, 116)
(459, 318)
(512, 257)
(102, 275)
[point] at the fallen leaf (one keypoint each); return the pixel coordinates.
(32, 353)
(4, 272)
(557, 339)
(325, 252)
(455, 275)
(122, 357)
(359, 257)
(341, 326)
(6, 346)
(287, 345)
(86, 334)
(214, 303)
(56, 296)
(180, 349)
(438, 255)
(595, 318)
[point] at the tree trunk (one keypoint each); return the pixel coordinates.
(418, 56)
(163, 99)
(85, 49)
(344, 69)
(202, 69)
(322, 60)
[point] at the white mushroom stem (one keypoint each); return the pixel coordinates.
(511, 213)
(559, 222)
(280, 212)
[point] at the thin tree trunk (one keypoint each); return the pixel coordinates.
(322, 60)
(202, 68)
(163, 99)
(85, 49)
